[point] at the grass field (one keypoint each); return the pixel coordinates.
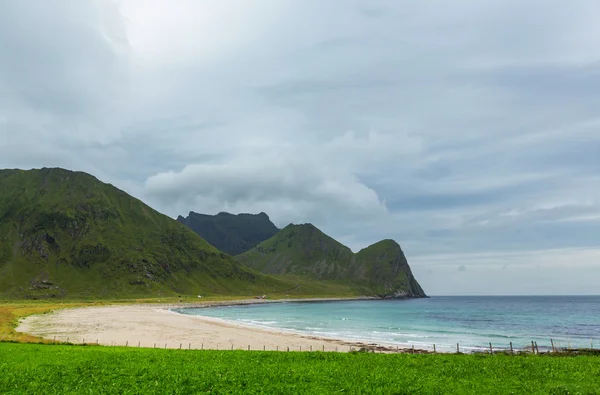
(63, 369)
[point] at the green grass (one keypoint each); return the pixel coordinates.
(52, 369)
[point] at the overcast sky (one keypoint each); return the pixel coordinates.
(467, 130)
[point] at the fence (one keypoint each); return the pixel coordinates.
(510, 348)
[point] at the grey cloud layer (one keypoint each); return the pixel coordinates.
(457, 128)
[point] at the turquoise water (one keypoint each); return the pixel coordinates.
(473, 322)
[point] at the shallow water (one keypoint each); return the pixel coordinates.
(473, 322)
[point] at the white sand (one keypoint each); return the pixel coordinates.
(156, 326)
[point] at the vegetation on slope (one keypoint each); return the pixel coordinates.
(385, 269)
(44, 369)
(304, 250)
(233, 234)
(66, 234)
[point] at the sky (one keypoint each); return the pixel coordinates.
(466, 130)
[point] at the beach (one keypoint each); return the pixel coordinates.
(151, 325)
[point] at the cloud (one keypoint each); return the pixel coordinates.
(293, 186)
(63, 77)
(458, 128)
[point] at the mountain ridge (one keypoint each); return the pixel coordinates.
(304, 250)
(231, 233)
(65, 233)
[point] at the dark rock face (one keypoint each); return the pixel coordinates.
(233, 234)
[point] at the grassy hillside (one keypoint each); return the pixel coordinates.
(233, 234)
(304, 250)
(66, 234)
(50, 369)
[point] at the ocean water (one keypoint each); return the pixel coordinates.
(473, 322)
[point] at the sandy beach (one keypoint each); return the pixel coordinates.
(150, 325)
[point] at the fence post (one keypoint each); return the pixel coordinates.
(552, 342)
(511, 348)
(154, 345)
(180, 344)
(300, 348)
(202, 346)
(413, 348)
(288, 349)
(190, 346)
(311, 347)
(165, 346)
(323, 347)
(231, 346)
(457, 348)
(96, 341)
(434, 348)
(138, 344)
(532, 347)
(127, 343)
(537, 349)
(491, 349)
(264, 348)
(277, 348)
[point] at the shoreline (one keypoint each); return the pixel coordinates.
(157, 325)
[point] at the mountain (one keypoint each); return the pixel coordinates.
(233, 234)
(65, 233)
(303, 250)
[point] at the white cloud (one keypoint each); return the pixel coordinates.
(296, 186)
(426, 123)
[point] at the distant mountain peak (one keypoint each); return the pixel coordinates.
(231, 233)
(307, 225)
(385, 243)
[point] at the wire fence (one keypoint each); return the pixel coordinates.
(510, 348)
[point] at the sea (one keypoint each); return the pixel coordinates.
(472, 322)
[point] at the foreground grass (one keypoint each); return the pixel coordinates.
(49, 369)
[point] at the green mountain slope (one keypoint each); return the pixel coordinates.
(385, 269)
(65, 233)
(233, 234)
(303, 250)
